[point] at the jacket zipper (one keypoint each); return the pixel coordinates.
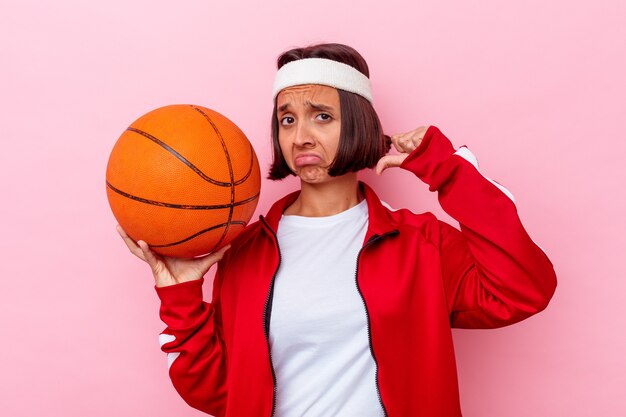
(371, 240)
(266, 317)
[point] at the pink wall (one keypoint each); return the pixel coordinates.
(535, 89)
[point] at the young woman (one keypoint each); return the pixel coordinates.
(334, 304)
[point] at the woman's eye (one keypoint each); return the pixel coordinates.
(324, 116)
(286, 120)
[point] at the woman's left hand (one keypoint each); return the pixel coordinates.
(404, 143)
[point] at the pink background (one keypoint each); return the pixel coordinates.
(535, 89)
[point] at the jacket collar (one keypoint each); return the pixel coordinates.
(379, 223)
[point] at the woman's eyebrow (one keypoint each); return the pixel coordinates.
(323, 107)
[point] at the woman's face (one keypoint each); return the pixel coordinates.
(309, 124)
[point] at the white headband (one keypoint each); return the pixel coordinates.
(324, 72)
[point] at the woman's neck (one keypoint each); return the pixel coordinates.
(328, 198)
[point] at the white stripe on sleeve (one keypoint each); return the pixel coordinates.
(466, 154)
(171, 357)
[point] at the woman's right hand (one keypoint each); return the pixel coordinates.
(169, 270)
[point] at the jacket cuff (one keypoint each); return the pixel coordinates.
(434, 149)
(181, 297)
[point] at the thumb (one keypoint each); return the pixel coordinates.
(389, 161)
(208, 261)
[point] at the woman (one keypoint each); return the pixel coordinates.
(333, 304)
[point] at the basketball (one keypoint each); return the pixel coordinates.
(184, 179)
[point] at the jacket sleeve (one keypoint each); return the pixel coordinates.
(493, 273)
(194, 345)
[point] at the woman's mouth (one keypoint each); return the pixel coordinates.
(307, 159)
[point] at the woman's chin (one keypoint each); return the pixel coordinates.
(312, 174)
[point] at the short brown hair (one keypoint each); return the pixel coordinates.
(361, 139)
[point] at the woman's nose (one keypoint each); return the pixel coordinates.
(304, 135)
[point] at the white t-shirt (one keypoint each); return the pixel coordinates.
(318, 327)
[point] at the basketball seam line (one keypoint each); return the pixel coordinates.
(190, 164)
(182, 206)
(240, 222)
(230, 170)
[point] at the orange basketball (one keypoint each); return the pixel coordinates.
(184, 179)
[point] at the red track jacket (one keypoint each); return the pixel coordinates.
(417, 276)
